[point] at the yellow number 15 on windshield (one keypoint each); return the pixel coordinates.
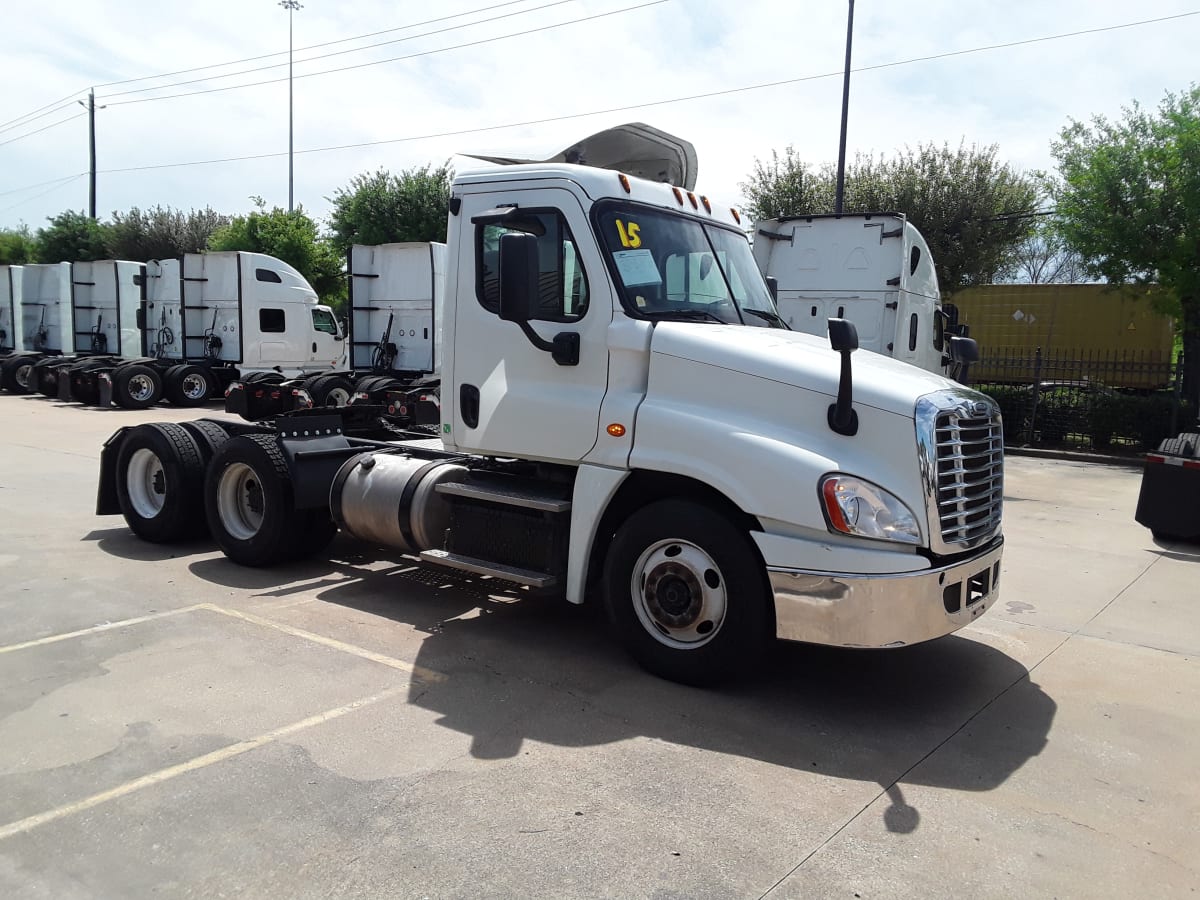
(629, 234)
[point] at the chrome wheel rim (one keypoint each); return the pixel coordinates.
(338, 396)
(22, 375)
(195, 386)
(679, 594)
(240, 502)
(141, 387)
(146, 483)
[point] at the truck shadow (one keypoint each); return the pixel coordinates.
(522, 668)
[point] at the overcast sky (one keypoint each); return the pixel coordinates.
(623, 53)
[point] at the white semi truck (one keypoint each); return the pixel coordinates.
(209, 319)
(624, 418)
(874, 269)
(43, 324)
(10, 324)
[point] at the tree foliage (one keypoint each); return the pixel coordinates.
(1044, 258)
(1129, 202)
(16, 246)
(292, 237)
(161, 232)
(970, 207)
(71, 237)
(381, 208)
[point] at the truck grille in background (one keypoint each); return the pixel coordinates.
(969, 477)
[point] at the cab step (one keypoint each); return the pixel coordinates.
(508, 491)
(527, 577)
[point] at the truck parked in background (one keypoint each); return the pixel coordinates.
(10, 290)
(874, 269)
(42, 321)
(624, 416)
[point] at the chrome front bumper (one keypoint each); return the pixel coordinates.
(891, 610)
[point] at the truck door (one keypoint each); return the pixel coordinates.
(327, 344)
(508, 397)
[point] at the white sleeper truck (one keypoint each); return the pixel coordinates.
(212, 318)
(874, 269)
(624, 417)
(10, 292)
(42, 322)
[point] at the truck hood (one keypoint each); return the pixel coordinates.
(800, 360)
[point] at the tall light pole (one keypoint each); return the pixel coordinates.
(91, 107)
(291, 6)
(841, 172)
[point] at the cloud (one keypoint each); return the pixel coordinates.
(1018, 98)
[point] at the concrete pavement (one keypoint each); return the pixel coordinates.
(361, 727)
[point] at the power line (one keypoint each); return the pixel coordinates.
(645, 105)
(64, 183)
(356, 37)
(394, 58)
(21, 137)
(17, 122)
(413, 37)
(30, 187)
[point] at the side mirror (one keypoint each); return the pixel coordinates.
(964, 350)
(518, 276)
(843, 336)
(773, 287)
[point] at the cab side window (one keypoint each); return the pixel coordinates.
(562, 283)
(323, 320)
(271, 321)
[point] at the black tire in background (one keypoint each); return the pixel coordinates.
(210, 436)
(250, 505)
(329, 390)
(15, 374)
(85, 392)
(189, 385)
(687, 593)
(160, 480)
(136, 387)
(45, 377)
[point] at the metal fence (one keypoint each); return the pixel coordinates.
(1085, 400)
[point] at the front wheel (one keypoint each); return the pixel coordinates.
(687, 593)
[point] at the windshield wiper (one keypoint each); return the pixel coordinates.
(695, 314)
(768, 316)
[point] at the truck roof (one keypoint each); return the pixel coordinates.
(607, 184)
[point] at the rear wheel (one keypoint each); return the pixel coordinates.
(136, 387)
(45, 377)
(329, 390)
(687, 593)
(250, 505)
(17, 374)
(189, 385)
(160, 475)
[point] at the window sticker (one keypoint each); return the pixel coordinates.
(637, 267)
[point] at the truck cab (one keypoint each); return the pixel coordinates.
(874, 269)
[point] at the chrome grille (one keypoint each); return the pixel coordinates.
(963, 455)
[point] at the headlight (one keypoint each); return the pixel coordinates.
(862, 509)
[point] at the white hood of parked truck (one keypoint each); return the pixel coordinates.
(800, 360)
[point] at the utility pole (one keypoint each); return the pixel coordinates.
(291, 6)
(91, 108)
(841, 173)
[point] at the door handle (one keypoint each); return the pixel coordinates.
(314, 346)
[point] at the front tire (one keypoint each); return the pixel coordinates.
(250, 505)
(160, 475)
(687, 593)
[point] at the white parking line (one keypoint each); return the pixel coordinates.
(200, 762)
(105, 626)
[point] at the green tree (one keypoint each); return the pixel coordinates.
(1130, 204)
(381, 208)
(969, 206)
(71, 237)
(292, 237)
(161, 232)
(16, 246)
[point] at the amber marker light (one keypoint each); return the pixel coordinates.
(692, 197)
(624, 179)
(736, 217)
(616, 430)
(678, 195)
(707, 205)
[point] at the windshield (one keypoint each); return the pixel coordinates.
(671, 266)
